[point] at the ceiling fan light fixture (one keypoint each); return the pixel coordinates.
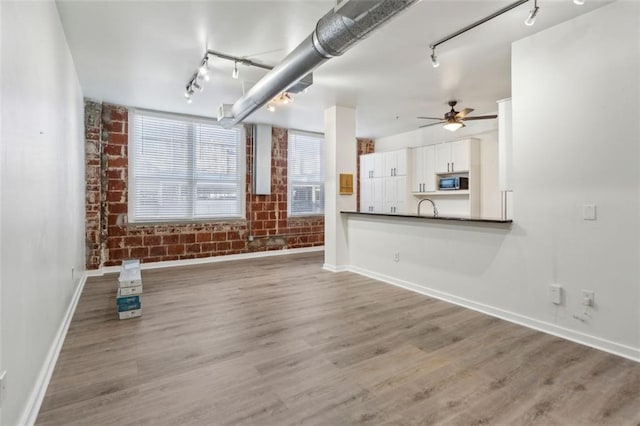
(452, 126)
(578, 2)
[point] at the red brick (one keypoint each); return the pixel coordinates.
(116, 242)
(119, 114)
(139, 252)
(117, 161)
(175, 249)
(115, 127)
(233, 235)
(270, 224)
(219, 236)
(117, 207)
(118, 254)
(116, 185)
(114, 150)
(261, 215)
(223, 246)
(115, 196)
(158, 251)
(193, 248)
(152, 240)
(208, 247)
(203, 236)
(238, 245)
(171, 239)
(115, 174)
(187, 238)
(116, 231)
(133, 241)
(118, 139)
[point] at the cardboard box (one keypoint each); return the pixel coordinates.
(130, 277)
(127, 291)
(130, 314)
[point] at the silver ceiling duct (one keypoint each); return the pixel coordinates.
(338, 30)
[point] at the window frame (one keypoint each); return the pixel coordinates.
(290, 182)
(131, 167)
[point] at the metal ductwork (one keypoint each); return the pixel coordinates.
(337, 31)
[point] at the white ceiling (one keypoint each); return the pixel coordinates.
(142, 54)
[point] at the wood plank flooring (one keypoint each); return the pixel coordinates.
(279, 341)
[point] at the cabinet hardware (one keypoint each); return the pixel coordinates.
(452, 166)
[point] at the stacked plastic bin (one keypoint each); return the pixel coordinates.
(129, 301)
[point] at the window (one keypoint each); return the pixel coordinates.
(305, 174)
(184, 169)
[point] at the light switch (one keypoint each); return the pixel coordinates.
(555, 294)
(589, 212)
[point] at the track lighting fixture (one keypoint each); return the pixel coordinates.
(202, 74)
(434, 58)
(531, 19)
(578, 2)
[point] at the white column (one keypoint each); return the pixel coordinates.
(340, 157)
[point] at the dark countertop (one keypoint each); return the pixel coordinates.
(447, 218)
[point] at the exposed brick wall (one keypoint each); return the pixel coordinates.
(364, 146)
(93, 131)
(266, 215)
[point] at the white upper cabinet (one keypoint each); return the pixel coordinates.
(453, 157)
(460, 156)
(395, 163)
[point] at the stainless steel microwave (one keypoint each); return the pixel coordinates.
(453, 183)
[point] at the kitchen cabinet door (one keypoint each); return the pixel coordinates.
(460, 156)
(400, 189)
(377, 193)
(418, 169)
(366, 195)
(378, 164)
(429, 168)
(443, 157)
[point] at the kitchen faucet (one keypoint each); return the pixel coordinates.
(435, 209)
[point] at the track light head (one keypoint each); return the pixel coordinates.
(235, 73)
(197, 86)
(531, 19)
(434, 58)
(271, 107)
(204, 68)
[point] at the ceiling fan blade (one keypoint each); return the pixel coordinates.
(480, 117)
(430, 118)
(464, 112)
(431, 124)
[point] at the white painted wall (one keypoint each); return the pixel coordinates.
(340, 157)
(42, 193)
(487, 132)
(569, 85)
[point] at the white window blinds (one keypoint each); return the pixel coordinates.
(305, 174)
(183, 169)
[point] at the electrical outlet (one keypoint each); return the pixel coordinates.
(588, 298)
(396, 257)
(3, 386)
(589, 212)
(555, 294)
(250, 238)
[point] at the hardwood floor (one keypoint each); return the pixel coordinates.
(279, 341)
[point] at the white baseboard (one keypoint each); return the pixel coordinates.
(565, 333)
(30, 413)
(333, 268)
(213, 259)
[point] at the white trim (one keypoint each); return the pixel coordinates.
(32, 408)
(333, 268)
(565, 333)
(212, 259)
